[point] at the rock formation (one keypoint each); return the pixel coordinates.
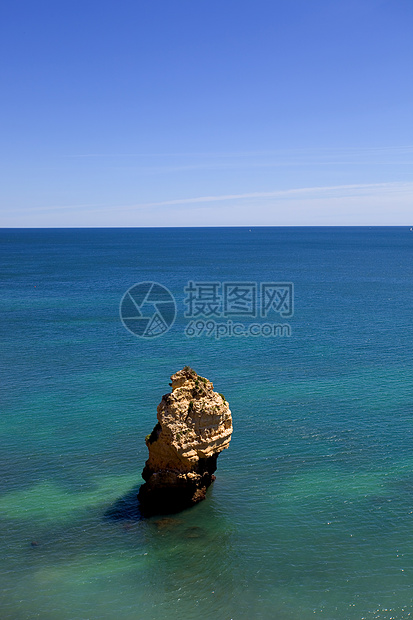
(194, 426)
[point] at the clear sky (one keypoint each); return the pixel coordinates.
(206, 112)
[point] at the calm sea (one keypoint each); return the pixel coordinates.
(311, 515)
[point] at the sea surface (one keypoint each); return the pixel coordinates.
(311, 514)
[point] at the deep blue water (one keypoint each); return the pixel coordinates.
(311, 515)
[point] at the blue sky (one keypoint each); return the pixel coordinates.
(195, 112)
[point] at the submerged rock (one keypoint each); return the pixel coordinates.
(194, 426)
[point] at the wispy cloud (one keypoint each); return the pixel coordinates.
(296, 192)
(301, 193)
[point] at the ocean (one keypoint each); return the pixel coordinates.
(311, 514)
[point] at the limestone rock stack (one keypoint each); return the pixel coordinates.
(194, 426)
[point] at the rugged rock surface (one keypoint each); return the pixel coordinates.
(194, 426)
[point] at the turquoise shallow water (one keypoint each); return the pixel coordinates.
(311, 514)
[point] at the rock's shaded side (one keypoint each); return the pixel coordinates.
(194, 426)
